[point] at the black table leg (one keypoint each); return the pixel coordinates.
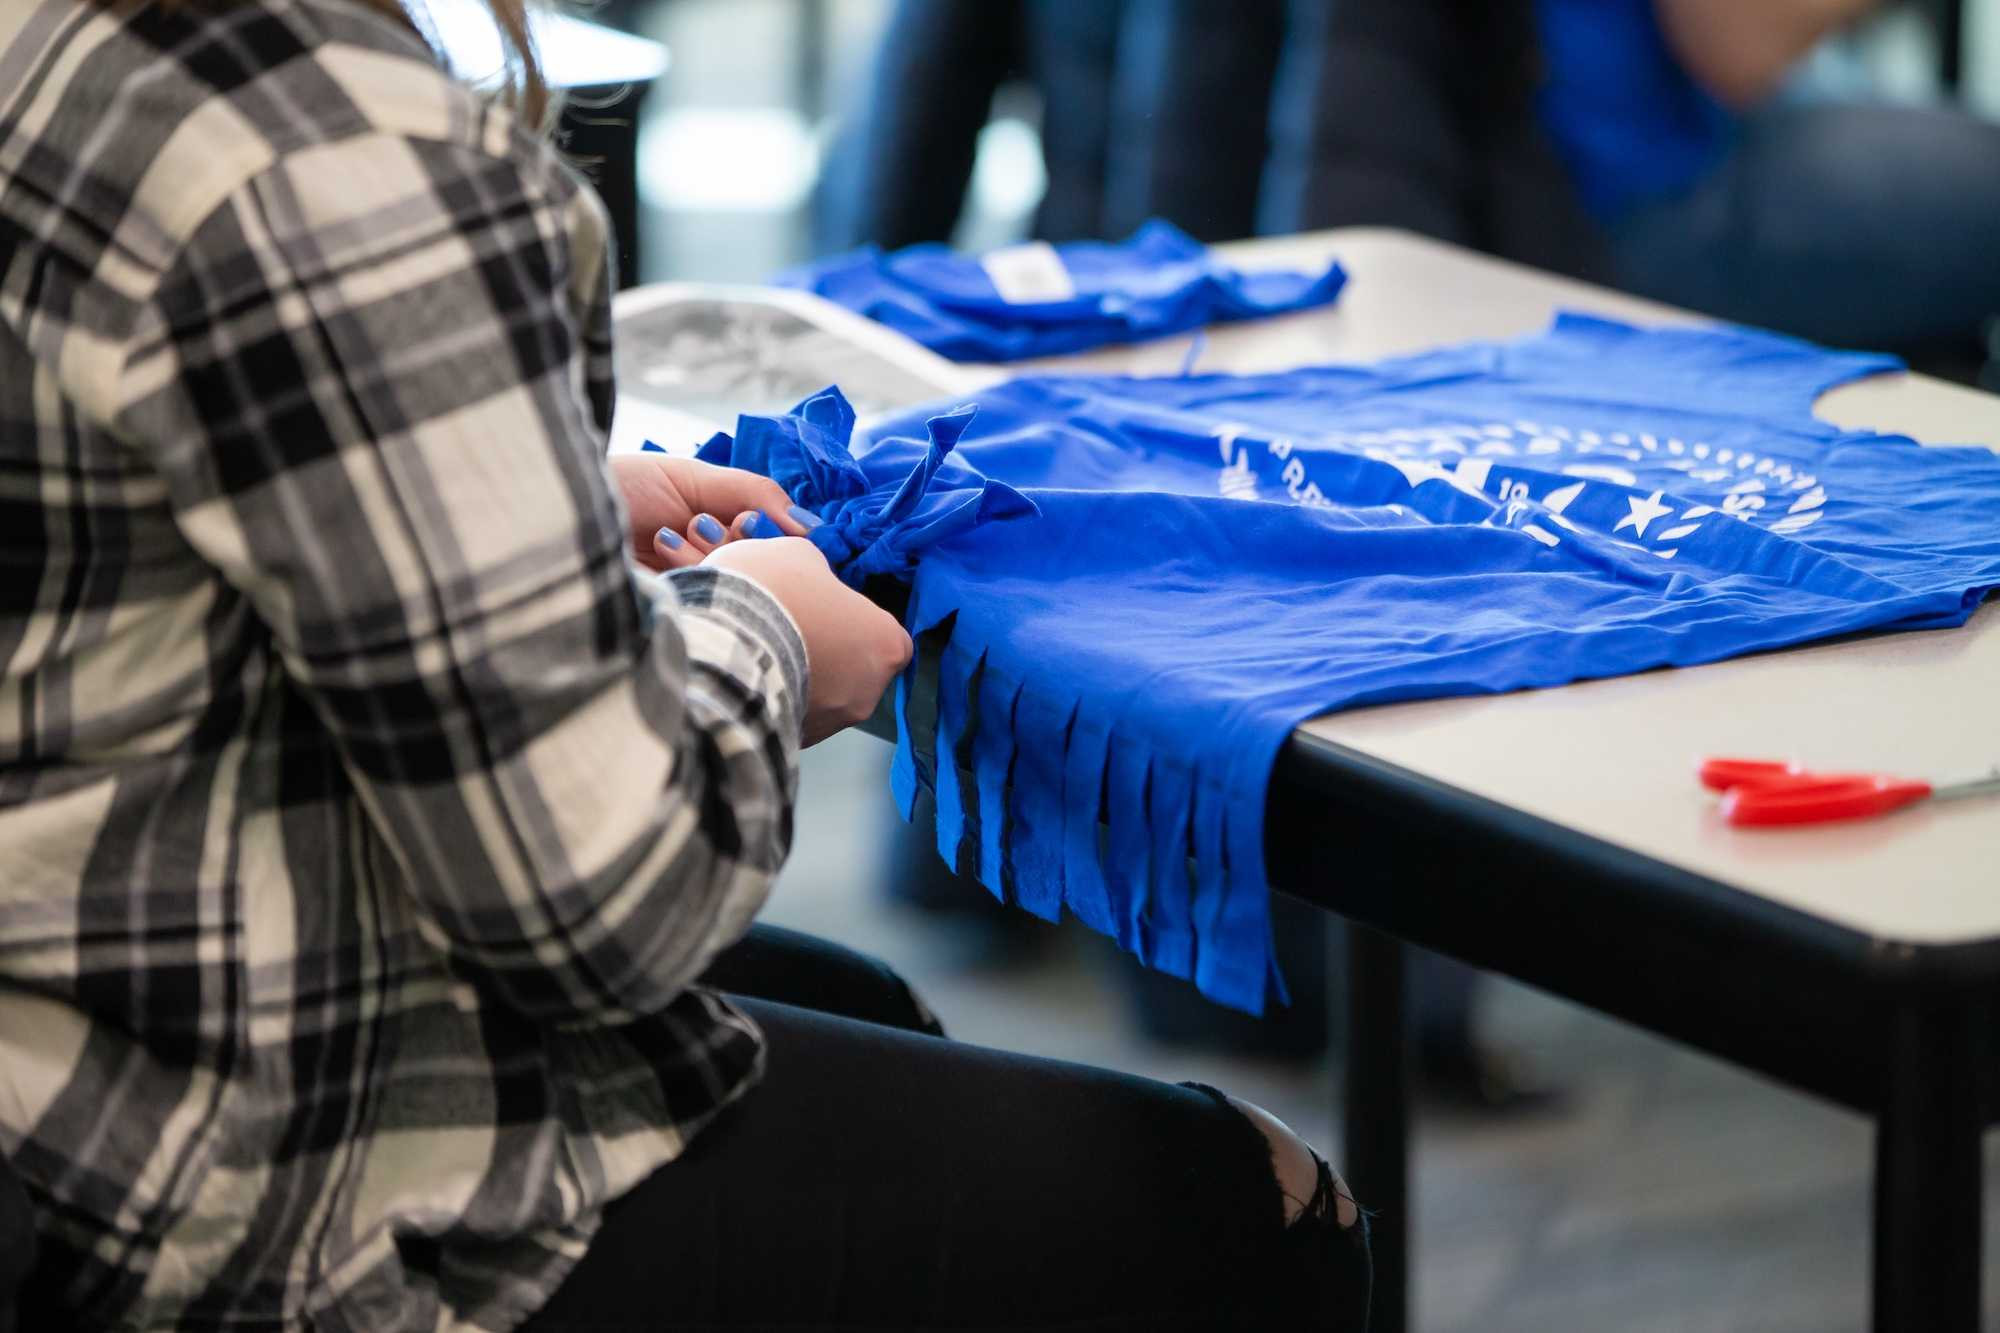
(1376, 1114)
(1929, 1174)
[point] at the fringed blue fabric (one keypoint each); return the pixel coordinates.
(1085, 758)
(993, 769)
(1167, 922)
(957, 671)
(1128, 868)
(1141, 586)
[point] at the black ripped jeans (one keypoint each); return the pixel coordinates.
(884, 1177)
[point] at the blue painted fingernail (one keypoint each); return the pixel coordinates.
(805, 517)
(670, 539)
(756, 525)
(708, 529)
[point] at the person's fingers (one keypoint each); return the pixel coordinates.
(753, 523)
(705, 533)
(652, 498)
(904, 646)
(728, 490)
(673, 551)
(791, 521)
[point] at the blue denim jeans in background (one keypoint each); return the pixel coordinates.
(1859, 225)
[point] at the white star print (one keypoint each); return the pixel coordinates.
(1470, 475)
(1416, 471)
(1643, 513)
(1558, 500)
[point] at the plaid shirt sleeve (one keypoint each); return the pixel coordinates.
(375, 380)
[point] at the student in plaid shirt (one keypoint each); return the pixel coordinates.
(378, 832)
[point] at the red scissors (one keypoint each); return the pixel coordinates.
(1761, 792)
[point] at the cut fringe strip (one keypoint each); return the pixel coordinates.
(1037, 793)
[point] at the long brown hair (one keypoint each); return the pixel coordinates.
(522, 87)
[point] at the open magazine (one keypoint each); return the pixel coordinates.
(691, 356)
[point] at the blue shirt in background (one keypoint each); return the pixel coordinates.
(1630, 124)
(1046, 300)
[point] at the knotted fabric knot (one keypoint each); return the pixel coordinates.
(807, 451)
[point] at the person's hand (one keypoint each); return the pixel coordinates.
(853, 647)
(1741, 52)
(680, 509)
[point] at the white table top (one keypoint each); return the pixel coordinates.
(1616, 758)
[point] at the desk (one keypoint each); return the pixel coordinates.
(1550, 836)
(1536, 835)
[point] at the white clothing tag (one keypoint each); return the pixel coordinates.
(1031, 274)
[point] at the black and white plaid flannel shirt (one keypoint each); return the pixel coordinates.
(361, 828)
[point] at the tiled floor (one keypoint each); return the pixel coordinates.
(1667, 1194)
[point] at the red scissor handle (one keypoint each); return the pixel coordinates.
(1758, 792)
(1722, 774)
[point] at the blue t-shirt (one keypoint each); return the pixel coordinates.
(1047, 300)
(1144, 584)
(1630, 124)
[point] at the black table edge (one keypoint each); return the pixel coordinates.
(1313, 763)
(1373, 842)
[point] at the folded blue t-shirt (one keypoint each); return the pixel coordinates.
(1144, 584)
(1043, 300)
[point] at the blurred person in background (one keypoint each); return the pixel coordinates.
(1858, 223)
(1654, 145)
(899, 170)
(1149, 109)
(1660, 146)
